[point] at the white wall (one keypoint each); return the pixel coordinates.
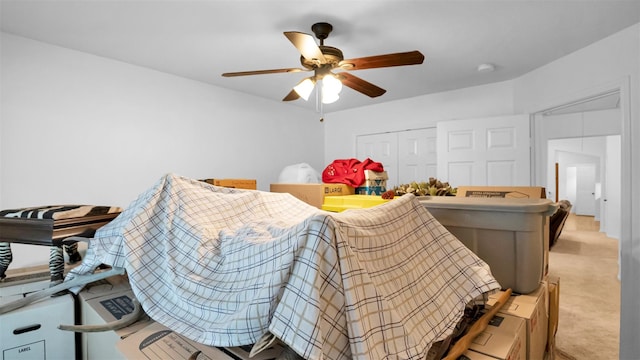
(341, 128)
(572, 77)
(582, 124)
(77, 128)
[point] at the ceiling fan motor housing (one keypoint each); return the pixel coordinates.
(331, 54)
(321, 30)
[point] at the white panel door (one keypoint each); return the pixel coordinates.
(612, 193)
(585, 189)
(382, 148)
(484, 152)
(417, 155)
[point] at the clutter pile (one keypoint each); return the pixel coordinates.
(434, 187)
(557, 221)
(226, 267)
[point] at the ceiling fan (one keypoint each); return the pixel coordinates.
(322, 59)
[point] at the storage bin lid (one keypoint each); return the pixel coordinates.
(545, 206)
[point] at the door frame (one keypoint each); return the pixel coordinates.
(628, 300)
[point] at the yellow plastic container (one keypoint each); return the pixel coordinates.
(345, 202)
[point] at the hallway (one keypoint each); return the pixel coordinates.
(586, 261)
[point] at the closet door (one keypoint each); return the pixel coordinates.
(382, 148)
(485, 151)
(417, 155)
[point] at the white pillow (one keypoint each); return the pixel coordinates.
(299, 173)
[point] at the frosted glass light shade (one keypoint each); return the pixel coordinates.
(328, 97)
(304, 88)
(331, 87)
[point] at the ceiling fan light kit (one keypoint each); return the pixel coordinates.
(304, 88)
(331, 88)
(322, 59)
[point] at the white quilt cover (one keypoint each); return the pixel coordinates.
(225, 266)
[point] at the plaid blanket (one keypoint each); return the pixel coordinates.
(224, 267)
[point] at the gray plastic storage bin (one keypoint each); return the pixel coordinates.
(511, 235)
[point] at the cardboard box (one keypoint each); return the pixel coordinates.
(31, 332)
(510, 192)
(472, 355)
(104, 302)
(550, 355)
(159, 342)
(382, 183)
(533, 309)
(375, 183)
(376, 175)
(313, 194)
(504, 338)
(554, 310)
(243, 352)
(250, 184)
(370, 190)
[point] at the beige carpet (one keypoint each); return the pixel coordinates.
(587, 263)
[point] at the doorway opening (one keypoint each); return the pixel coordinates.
(586, 171)
(578, 156)
(584, 120)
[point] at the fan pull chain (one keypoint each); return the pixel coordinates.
(319, 106)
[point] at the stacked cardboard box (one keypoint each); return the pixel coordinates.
(101, 303)
(554, 309)
(313, 194)
(250, 184)
(504, 339)
(110, 300)
(156, 341)
(31, 332)
(375, 183)
(472, 355)
(532, 308)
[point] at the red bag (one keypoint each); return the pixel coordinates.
(349, 171)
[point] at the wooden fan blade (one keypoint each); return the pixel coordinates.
(360, 85)
(292, 95)
(307, 46)
(261, 72)
(379, 61)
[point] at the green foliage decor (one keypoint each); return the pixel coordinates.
(432, 188)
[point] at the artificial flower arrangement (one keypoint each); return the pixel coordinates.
(432, 188)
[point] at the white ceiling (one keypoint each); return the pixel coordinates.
(202, 39)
